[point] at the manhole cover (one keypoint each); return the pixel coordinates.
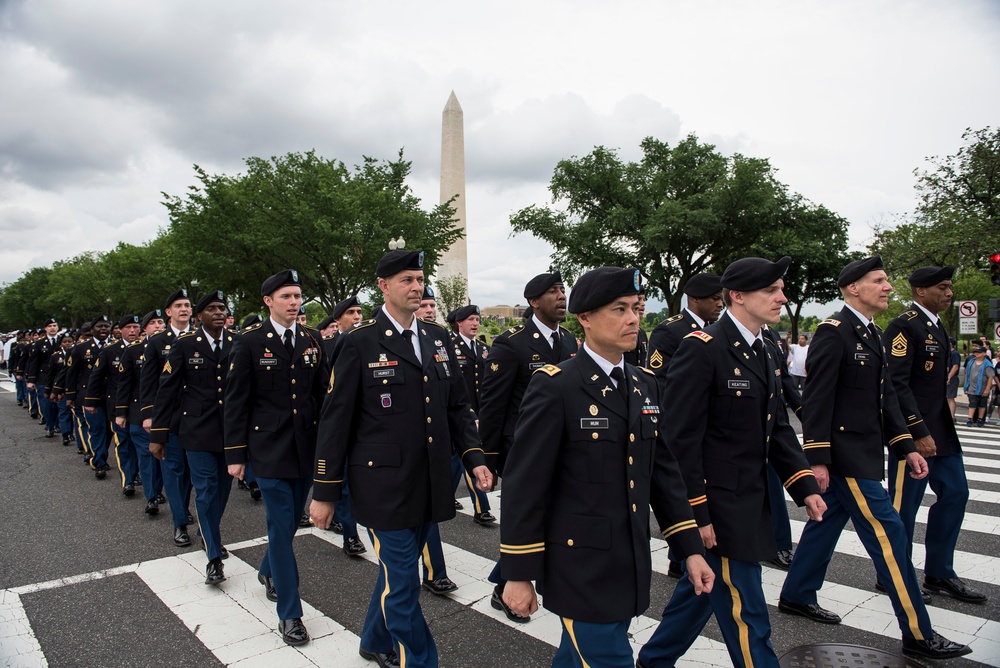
(829, 655)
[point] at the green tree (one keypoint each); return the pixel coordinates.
(452, 293)
(21, 304)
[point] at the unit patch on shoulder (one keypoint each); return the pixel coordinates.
(899, 346)
(831, 321)
(550, 369)
(700, 335)
(655, 360)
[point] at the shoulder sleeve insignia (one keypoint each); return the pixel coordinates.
(656, 360)
(831, 321)
(698, 334)
(899, 346)
(550, 369)
(166, 368)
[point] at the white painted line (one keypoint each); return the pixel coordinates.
(18, 645)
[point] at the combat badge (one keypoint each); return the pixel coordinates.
(899, 346)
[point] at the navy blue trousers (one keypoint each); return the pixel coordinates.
(82, 430)
(176, 480)
(878, 525)
(585, 645)
(149, 466)
(125, 455)
(432, 556)
(65, 417)
(20, 387)
(342, 510)
(395, 621)
(779, 511)
(480, 502)
(212, 482)
(284, 499)
(97, 427)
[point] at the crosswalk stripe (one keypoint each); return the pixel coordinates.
(17, 640)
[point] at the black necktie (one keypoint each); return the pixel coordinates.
(758, 349)
(216, 344)
(557, 346)
(289, 343)
(874, 332)
(619, 377)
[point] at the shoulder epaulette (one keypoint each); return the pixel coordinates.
(310, 328)
(642, 368)
(254, 327)
(330, 337)
(360, 325)
(186, 335)
(430, 322)
(698, 334)
(516, 329)
(137, 342)
(550, 369)
(673, 318)
(565, 330)
(157, 333)
(830, 321)
(910, 315)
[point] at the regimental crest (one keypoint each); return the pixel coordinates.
(494, 367)
(593, 409)
(295, 276)
(637, 280)
(737, 372)
(656, 360)
(899, 346)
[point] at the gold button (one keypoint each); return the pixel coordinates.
(570, 542)
(631, 484)
(220, 389)
(738, 393)
(430, 439)
(425, 379)
(594, 436)
(428, 420)
(293, 396)
(633, 507)
(841, 429)
(862, 364)
(371, 463)
(185, 412)
(220, 401)
(218, 377)
(293, 366)
(295, 412)
(631, 438)
(293, 381)
(427, 400)
(656, 432)
(768, 417)
(256, 428)
(630, 461)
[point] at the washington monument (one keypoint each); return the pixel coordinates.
(455, 261)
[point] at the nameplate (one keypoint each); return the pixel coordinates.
(593, 423)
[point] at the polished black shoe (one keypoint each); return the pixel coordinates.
(484, 519)
(33, 416)
(498, 604)
(458, 504)
(65, 439)
(809, 611)
(101, 472)
(224, 552)
(440, 586)
(41, 421)
(128, 490)
(241, 484)
(190, 519)
(152, 507)
(304, 521)
(255, 491)
(214, 573)
(353, 546)
(955, 588)
(268, 587)
(181, 537)
(49, 433)
(336, 527)
(675, 570)
(879, 587)
(160, 499)
(389, 660)
(293, 631)
(935, 647)
(782, 560)
(137, 480)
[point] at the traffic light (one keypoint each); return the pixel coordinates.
(995, 268)
(994, 308)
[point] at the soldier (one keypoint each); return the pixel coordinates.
(637, 356)
(173, 465)
(57, 378)
(851, 414)
(37, 370)
(727, 420)
(397, 387)
(13, 364)
(249, 481)
(102, 396)
(272, 400)
(515, 355)
(327, 326)
(128, 411)
(80, 433)
(918, 363)
(194, 384)
(301, 319)
(79, 366)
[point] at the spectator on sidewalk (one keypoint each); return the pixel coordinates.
(954, 362)
(979, 378)
(797, 360)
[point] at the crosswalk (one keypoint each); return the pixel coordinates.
(236, 624)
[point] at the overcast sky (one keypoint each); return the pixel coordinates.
(106, 103)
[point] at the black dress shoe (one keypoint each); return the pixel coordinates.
(268, 587)
(33, 416)
(137, 480)
(675, 570)
(41, 421)
(440, 586)
(353, 546)
(458, 504)
(809, 611)
(160, 499)
(879, 587)
(293, 631)
(935, 647)
(782, 560)
(498, 604)
(224, 552)
(484, 519)
(255, 491)
(241, 484)
(336, 527)
(128, 490)
(955, 588)
(304, 521)
(190, 519)
(181, 537)
(65, 439)
(101, 472)
(214, 573)
(49, 433)
(389, 660)
(152, 507)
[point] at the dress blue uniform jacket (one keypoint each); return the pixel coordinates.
(79, 364)
(102, 388)
(129, 374)
(470, 366)
(663, 344)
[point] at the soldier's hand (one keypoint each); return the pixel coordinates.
(70, 404)
(918, 465)
(926, 446)
(31, 386)
(157, 450)
(90, 409)
(147, 424)
(321, 513)
(708, 536)
(237, 470)
(120, 421)
(815, 507)
(822, 476)
(57, 398)
(700, 574)
(484, 478)
(520, 597)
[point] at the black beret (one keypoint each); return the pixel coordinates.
(428, 292)
(537, 286)
(857, 269)
(128, 320)
(152, 315)
(451, 316)
(602, 286)
(100, 318)
(326, 322)
(753, 273)
(279, 280)
(341, 307)
(50, 321)
(180, 294)
(703, 285)
(399, 260)
(528, 312)
(302, 309)
(925, 277)
(251, 320)
(84, 328)
(464, 312)
(214, 297)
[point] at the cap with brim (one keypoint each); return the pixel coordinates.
(855, 270)
(466, 311)
(399, 260)
(601, 286)
(279, 280)
(341, 307)
(537, 286)
(753, 273)
(214, 297)
(177, 296)
(128, 320)
(979, 349)
(251, 320)
(703, 285)
(152, 315)
(925, 277)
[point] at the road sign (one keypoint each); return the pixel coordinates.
(968, 320)
(996, 331)
(967, 326)
(968, 309)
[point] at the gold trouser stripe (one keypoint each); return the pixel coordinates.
(427, 563)
(897, 497)
(568, 623)
(890, 558)
(475, 497)
(377, 545)
(118, 458)
(737, 610)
